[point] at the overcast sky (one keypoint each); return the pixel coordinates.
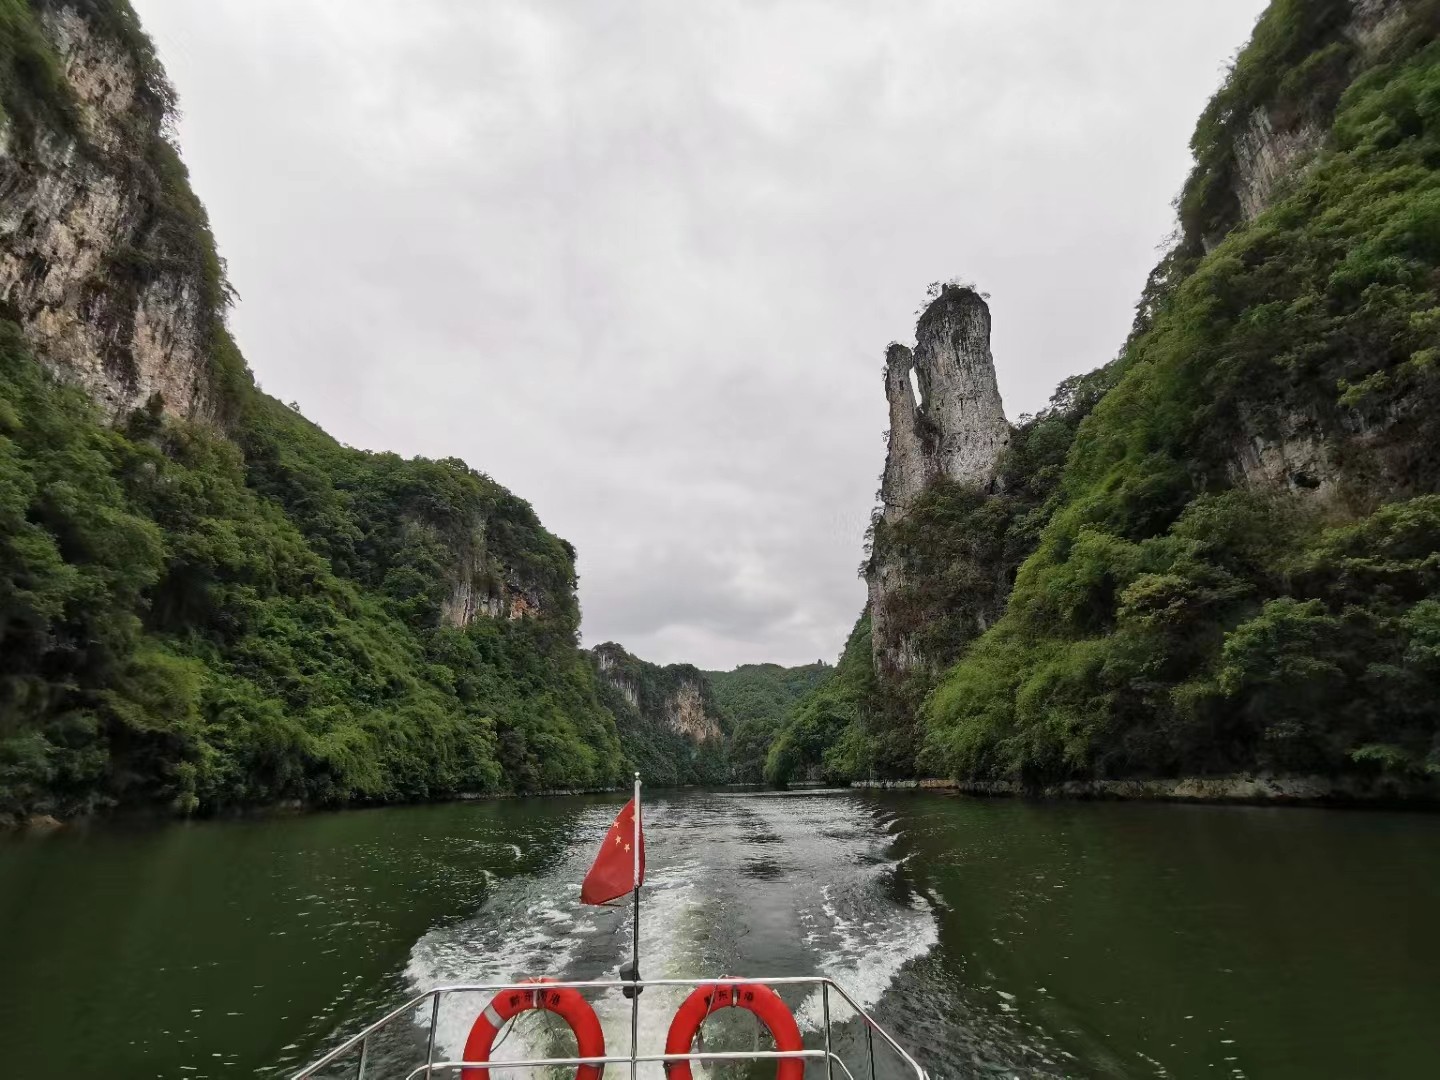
(639, 261)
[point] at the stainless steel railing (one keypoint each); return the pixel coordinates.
(360, 1043)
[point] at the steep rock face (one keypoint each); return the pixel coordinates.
(480, 587)
(1236, 571)
(1294, 446)
(956, 431)
(1294, 457)
(685, 709)
(241, 610)
(611, 661)
(108, 299)
(676, 694)
(1374, 23)
(670, 726)
(1276, 145)
(909, 461)
(959, 395)
(958, 428)
(1265, 157)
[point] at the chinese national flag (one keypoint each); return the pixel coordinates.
(614, 873)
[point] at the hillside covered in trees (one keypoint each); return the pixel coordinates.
(758, 699)
(671, 725)
(1217, 553)
(206, 601)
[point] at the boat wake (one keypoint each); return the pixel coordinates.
(753, 887)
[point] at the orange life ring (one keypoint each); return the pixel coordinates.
(759, 999)
(565, 1002)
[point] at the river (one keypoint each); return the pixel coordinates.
(995, 938)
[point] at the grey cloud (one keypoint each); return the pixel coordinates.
(640, 261)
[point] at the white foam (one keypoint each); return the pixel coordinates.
(852, 929)
(672, 912)
(522, 932)
(866, 960)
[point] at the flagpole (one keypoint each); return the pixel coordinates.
(635, 939)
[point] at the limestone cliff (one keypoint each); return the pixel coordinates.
(669, 723)
(205, 600)
(108, 266)
(105, 257)
(954, 432)
(1236, 570)
(1218, 552)
(957, 428)
(677, 693)
(481, 586)
(1260, 139)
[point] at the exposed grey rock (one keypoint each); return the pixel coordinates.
(71, 211)
(1266, 158)
(957, 430)
(481, 588)
(686, 714)
(609, 666)
(908, 464)
(1375, 22)
(676, 692)
(960, 399)
(1287, 452)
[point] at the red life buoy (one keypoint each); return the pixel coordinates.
(759, 999)
(565, 1002)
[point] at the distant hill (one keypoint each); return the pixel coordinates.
(758, 698)
(671, 727)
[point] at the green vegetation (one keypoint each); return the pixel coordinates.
(175, 632)
(758, 698)
(957, 551)
(1216, 553)
(654, 707)
(195, 618)
(828, 735)
(1171, 621)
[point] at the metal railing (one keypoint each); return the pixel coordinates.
(360, 1043)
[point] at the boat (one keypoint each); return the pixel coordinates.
(354, 1055)
(490, 1011)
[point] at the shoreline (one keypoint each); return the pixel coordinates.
(41, 823)
(1246, 789)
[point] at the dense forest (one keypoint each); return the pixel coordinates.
(206, 602)
(1222, 545)
(1216, 553)
(758, 699)
(236, 609)
(671, 726)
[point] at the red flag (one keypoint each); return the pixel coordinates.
(617, 870)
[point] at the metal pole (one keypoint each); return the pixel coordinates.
(364, 1057)
(825, 1008)
(434, 1025)
(635, 940)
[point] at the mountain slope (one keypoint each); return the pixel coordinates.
(205, 601)
(1238, 571)
(1217, 553)
(670, 724)
(759, 698)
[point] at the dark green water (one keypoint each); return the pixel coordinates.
(996, 938)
